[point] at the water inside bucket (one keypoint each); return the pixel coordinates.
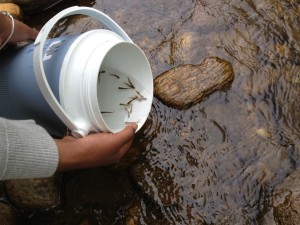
(122, 99)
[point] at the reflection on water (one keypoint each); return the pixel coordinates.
(225, 155)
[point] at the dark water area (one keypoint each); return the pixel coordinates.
(223, 157)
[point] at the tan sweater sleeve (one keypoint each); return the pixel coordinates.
(26, 150)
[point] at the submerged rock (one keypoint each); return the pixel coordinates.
(31, 194)
(98, 186)
(187, 85)
(33, 5)
(8, 215)
(136, 215)
(161, 189)
(129, 158)
(286, 199)
(264, 133)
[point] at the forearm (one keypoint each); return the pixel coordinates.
(26, 150)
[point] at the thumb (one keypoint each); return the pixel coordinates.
(124, 138)
(127, 133)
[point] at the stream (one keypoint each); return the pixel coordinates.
(218, 161)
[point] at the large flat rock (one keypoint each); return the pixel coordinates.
(187, 85)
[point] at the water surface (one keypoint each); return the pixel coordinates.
(225, 155)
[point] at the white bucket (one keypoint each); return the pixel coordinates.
(105, 79)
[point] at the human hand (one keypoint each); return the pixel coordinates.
(99, 149)
(22, 32)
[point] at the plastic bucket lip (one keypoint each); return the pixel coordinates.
(92, 87)
(80, 122)
(74, 74)
(89, 86)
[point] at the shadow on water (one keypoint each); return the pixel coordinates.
(217, 162)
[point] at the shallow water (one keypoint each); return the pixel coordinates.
(225, 155)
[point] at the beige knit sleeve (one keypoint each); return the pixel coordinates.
(26, 150)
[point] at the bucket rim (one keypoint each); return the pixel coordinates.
(91, 87)
(39, 70)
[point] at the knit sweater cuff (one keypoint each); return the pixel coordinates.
(30, 151)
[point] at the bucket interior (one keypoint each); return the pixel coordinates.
(125, 87)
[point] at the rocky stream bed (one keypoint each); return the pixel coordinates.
(221, 144)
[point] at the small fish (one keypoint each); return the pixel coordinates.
(128, 108)
(122, 104)
(114, 75)
(102, 71)
(129, 85)
(132, 99)
(140, 96)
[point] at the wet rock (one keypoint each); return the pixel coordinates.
(128, 160)
(286, 199)
(136, 214)
(72, 216)
(287, 54)
(264, 133)
(8, 215)
(99, 186)
(190, 47)
(33, 5)
(13, 9)
(88, 221)
(31, 194)
(136, 217)
(187, 85)
(155, 183)
(291, 74)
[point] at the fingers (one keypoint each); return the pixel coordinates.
(32, 34)
(23, 32)
(128, 133)
(120, 142)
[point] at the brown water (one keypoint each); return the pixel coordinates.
(225, 155)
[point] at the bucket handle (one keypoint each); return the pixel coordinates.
(39, 66)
